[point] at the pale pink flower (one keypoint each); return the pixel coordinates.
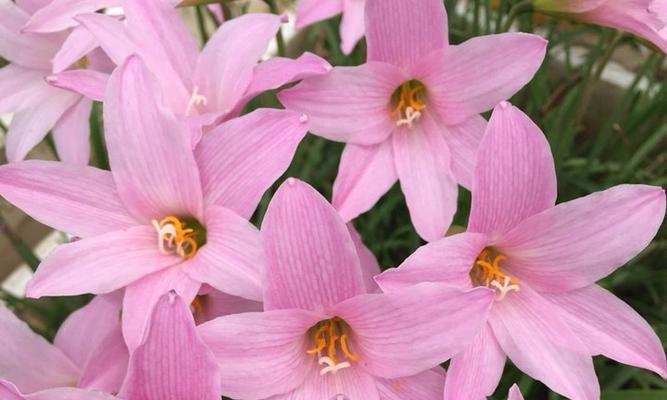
(322, 334)
(37, 106)
(514, 393)
(411, 113)
(542, 260)
(88, 353)
(645, 18)
(351, 26)
(166, 217)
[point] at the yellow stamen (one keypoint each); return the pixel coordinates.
(408, 101)
(175, 237)
(328, 335)
(487, 272)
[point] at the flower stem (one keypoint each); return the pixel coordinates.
(273, 6)
(20, 246)
(201, 24)
(516, 10)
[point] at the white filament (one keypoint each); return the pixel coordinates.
(504, 288)
(411, 115)
(195, 99)
(331, 365)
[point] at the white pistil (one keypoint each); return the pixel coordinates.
(331, 365)
(166, 233)
(411, 115)
(195, 99)
(504, 288)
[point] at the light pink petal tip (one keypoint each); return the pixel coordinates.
(514, 393)
(515, 178)
(172, 362)
(311, 11)
(311, 259)
(427, 385)
(71, 133)
(85, 82)
(352, 26)
(59, 15)
(149, 149)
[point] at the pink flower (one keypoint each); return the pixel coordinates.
(542, 260)
(204, 87)
(352, 24)
(88, 353)
(411, 112)
(321, 334)
(172, 362)
(645, 18)
(166, 217)
(514, 393)
(38, 107)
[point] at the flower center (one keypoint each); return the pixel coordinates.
(408, 101)
(182, 236)
(328, 337)
(195, 100)
(486, 272)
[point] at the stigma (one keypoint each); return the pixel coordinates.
(408, 101)
(176, 237)
(195, 100)
(487, 272)
(330, 343)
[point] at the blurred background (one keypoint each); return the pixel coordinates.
(600, 98)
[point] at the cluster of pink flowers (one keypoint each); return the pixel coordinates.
(194, 302)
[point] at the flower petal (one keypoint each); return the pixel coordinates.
(79, 200)
(405, 332)
(369, 264)
(216, 304)
(172, 362)
(349, 383)
(107, 366)
(232, 260)
(71, 133)
(260, 144)
(311, 11)
(534, 335)
(471, 78)
(58, 15)
(349, 104)
(311, 260)
(28, 360)
(577, 243)
(111, 35)
(352, 26)
(610, 327)
(402, 32)
(86, 82)
(516, 178)
(65, 394)
(365, 173)
(261, 354)
(145, 293)
(26, 131)
(463, 141)
(77, 45)
(99, 264)
(149, 150)
(232, 52)
(21, 88)
(514, 393)
(427, 385)
(475, 373)
(423, 166)
(448, 260)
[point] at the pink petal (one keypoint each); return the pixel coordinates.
(471, 78)
(28, 360)
(516, 178)
(71, 133)
(216, 304)
(423, 166)
(145, 293)
(427, 385)
(107, 366)
(408, 331)
(85, 82)
(402, 32)
(77, 45)
(352, 26)
(350, 383)
(59, 15)
(571, 6)
(21, 88)
(610, 327)
(31, 6)
(63, 394)
(534, 335)
(172, 362)
(278, 71)
(349, 104)
(311, 11)
(26, 131)
(26, 49)
(369, 264)
(232, 259)
(365, 173)
(577, 243)
(99, 264)
(261, 354)
(463, 141)
(83, 202)
(447, 260)
(232, 52)
(514, 393)
(149, 150)
(260, 144)
(475, 373)
(311, 260)
(111, 35)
